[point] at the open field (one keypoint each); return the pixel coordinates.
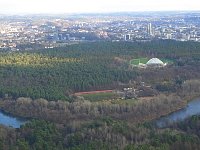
(99, 96)
(138, 60)
(169, 61)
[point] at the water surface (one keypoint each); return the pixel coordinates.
(192, 108)
(11, 121)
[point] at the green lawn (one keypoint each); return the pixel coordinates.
(139, 60)
(99, 96)
(169, 61)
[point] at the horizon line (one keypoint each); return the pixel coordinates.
(88, 13)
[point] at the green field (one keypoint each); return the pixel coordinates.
(99, 96)
(169, 61)
(139, 60)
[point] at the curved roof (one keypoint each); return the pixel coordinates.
(155, 61)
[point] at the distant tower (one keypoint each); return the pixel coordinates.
(127, 37)
(150, 29)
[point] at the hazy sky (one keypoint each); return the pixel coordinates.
(79, 6)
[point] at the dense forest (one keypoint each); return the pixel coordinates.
(101, 134)
(39, 85)
(54, 74)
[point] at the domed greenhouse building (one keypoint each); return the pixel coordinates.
(155, 62)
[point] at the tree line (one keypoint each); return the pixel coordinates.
(101, 134)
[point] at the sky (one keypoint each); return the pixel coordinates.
(93, 6)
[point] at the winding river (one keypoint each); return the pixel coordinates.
(193, 108)
(11, 121)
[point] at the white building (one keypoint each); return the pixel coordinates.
(155, 62)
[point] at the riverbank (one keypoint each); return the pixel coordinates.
(193, 108)
(154, 117)
(64, 112)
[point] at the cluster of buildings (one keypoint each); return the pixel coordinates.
(31, 32)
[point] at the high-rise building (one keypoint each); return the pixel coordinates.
(150, 29)
(127, 37)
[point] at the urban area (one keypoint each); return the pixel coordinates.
(35, 32)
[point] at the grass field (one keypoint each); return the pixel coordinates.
(169, 61)
(99, 96)
(139, 60)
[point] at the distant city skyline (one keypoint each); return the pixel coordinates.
(94, 6)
